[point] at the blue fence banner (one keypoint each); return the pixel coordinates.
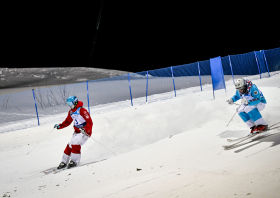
(217, 74)
(36, 106)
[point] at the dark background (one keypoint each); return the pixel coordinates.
(134, 36)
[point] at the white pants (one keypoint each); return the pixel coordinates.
(73, 148)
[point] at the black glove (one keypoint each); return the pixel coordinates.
(83, 131)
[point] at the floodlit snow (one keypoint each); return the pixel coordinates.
(169, 147)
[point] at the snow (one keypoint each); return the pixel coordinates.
(168, 147)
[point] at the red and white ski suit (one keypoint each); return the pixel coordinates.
(81, 119)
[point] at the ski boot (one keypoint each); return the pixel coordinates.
(71, 164)
(253, 129)
(62, 165)
(259, 129)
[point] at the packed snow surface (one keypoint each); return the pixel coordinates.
(168, 147)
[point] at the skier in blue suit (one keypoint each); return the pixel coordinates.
(252, 102)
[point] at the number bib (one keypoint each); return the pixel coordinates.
(79, 121)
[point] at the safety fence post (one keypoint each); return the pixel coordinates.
(36, 106)
(266, 63)
(88, 98)
(147, 87)
(231, 68)
(130, 89)
(173, 81)
(258, 64)
(199, 75)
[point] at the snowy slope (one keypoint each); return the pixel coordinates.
(168, 148)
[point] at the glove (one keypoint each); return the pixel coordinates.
(83, 131)
(56, 126)
(230, 101)
(244, 101)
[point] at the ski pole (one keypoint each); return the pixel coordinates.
(103, 146)
(231, 118)
(40, 142)
(233, 115)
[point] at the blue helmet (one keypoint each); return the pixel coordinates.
(72, 101)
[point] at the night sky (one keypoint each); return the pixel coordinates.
(134, 35)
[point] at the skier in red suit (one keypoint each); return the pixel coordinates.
(82, 131)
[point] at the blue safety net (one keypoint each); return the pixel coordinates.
(272, 57)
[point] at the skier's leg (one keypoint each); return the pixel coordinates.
(67, 151)
(76, 144)
(245, 117)
(65, 157)
(255, 114)
(76, 154)
(66, 154)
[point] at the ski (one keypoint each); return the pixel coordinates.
(237, 139)
(240, 140)
(275, 124)
(248, 142)
(54, 170)
(250, 135)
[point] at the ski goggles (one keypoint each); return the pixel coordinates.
(241, 89)
(69, 103)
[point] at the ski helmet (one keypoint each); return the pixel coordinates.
(72, 101)
(240, 84)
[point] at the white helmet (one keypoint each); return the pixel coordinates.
(240, 84)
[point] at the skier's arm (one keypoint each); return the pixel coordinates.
(88, 128)
(236, 97)
(66, 122)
